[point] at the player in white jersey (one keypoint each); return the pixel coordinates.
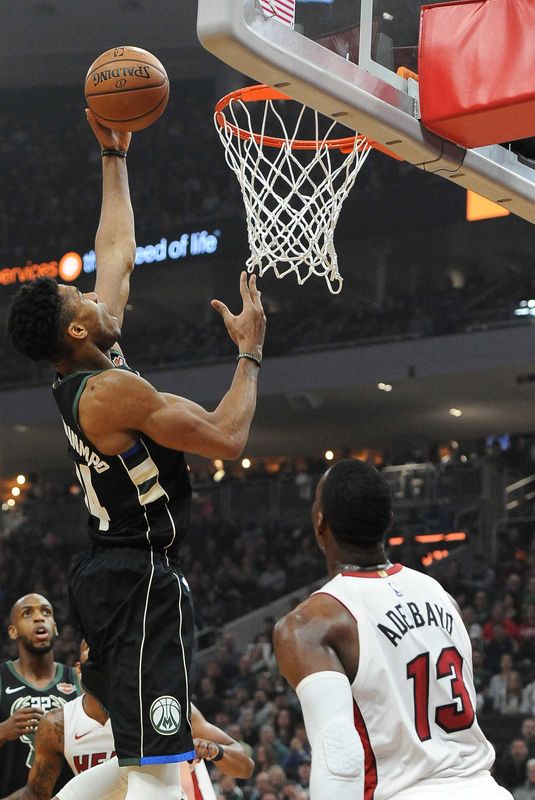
(381, 663)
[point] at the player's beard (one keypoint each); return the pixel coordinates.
(37, 650)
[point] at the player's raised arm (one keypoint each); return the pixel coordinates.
(121, 402)
(48, 759)
(115, 244)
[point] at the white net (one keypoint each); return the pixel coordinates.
(293, 186)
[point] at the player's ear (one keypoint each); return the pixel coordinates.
(12, 632)
(77, 330)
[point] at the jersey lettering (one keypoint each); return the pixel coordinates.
(406, 617)
(90, 760)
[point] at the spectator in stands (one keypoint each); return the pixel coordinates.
(278, 778)
(208, 702)
(498, 682)
(270, 741)
(474, 628)
(528, 734)
(262, 786)
(482, 677)
(481, 606)
(264, 757)
(509, 698)
(297, 754)
(527, 790)
(497, 646)
(498, 617)
(510, 768)
(227, 789)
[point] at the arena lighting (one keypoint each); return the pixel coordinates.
(526, 308)
(218, 464)
(396, 541)
(385, 387)
(219, 475)
(5, 507)
(329, 455)
(11, 502)
(455, 412)
(455, 536)
(246, 463)
(15, 491)
(436, 555)
(21, 480)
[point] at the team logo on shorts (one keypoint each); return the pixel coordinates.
(165, 715)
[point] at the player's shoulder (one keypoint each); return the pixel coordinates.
(318, 613)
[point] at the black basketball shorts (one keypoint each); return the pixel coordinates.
(135, 611)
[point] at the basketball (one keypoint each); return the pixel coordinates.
(127, 88)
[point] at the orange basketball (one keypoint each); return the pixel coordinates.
(127, 88)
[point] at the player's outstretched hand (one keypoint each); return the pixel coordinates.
(108, 139)
(25, 720)
(247, 330)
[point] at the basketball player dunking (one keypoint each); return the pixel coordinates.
(80, 734)
(381, 662)
(126, 439)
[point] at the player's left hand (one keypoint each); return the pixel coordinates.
(205, 749)
(108, 139)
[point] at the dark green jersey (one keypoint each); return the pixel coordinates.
(16, 755)
(140, 498)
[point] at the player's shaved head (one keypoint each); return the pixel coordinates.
(28, 600)
(356, 502)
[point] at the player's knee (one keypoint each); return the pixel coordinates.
(342, 749)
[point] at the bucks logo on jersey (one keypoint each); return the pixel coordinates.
(45, 703)
(165, 715)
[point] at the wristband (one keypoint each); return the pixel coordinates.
(251, 357)
(116, 153)
(220, 752)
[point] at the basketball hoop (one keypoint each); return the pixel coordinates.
(293, 187)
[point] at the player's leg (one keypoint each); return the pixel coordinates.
(159, 782)
(105, 782)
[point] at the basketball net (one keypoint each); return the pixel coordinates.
(293, 188)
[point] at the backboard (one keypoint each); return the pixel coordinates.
(352, 60)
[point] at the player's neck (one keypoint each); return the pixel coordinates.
(93, 709)
(365, 560)
(35, 667)
(85, 360)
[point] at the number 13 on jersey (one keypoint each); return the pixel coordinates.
(451, 717)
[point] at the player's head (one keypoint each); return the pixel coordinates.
(32, 624)
(49, 321)
(354, 501)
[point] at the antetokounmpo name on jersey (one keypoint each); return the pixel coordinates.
(91, 458)
(405, 617)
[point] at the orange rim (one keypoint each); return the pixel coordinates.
(259, 92)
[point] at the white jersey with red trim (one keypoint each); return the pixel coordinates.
(413, 696)
(86, 743)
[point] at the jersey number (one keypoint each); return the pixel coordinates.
(451, 717)
(91, 499)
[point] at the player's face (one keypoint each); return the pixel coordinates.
(33, 626)
(102, 328)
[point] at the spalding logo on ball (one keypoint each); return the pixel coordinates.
(127, 88)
